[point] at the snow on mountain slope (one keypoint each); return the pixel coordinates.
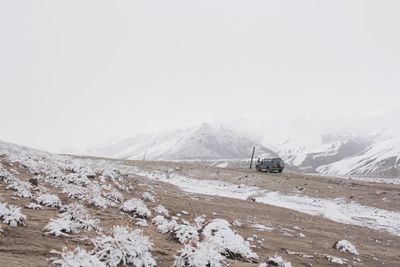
(381, 158)
(327, 150)
(303, 144)
(205, 142)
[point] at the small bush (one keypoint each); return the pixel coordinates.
(200, 255)
(136, 208)
(124, 247)
(11, 215)
(49, 200)
(76, 258)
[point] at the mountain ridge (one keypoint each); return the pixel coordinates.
(336, 154)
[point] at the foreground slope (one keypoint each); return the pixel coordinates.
(105, 189)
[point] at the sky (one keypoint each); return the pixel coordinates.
(77, 73)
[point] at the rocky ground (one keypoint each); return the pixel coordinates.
(299, 238)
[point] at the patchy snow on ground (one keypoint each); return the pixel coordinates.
(34, 206)
(223, 165)
(261, 227)
(369, 179)
(337, 210)
(277, 260)
(346, 246)
(334, 259)
(208, 187)
(301, 254)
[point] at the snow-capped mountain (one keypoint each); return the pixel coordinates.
(312, 144)
(303, 147)
(204, 142)
(327, 150)
(381, 158)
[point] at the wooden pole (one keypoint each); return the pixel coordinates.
(252, 156)
(144, 156)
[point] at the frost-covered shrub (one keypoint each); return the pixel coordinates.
(98, 201)
(75, 191)
(237, 223)
(61, 227)
(136, 208)
(200, 255)
(148, 197)
(121, 186)
(77, 166)
(49, 200)
(11, 215)
(77, 178)
(76, 258)
(55, 180)
(34, 206)
(185, 233)
(124, 247)
(226, 241)
(161, 210)
(78, 213)
(109, 174)
(346, 246)
(164, 225)
(85, 170)
(73, 211)
(278, 261)
(4, 174)
(72, 219)
(115, 196)
(23, 188)
(334, 259)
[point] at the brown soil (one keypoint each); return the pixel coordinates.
(29, 246)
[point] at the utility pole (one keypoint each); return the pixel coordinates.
(144, 156)
(252, 156)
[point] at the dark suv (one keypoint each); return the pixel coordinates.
(270, 165)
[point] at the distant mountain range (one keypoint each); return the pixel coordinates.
(302, 148)
(204, 142)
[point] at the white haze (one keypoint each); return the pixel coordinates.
(76, 73)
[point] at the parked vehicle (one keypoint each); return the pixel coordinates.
(270, 165)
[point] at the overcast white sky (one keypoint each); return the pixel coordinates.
(76, 73)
